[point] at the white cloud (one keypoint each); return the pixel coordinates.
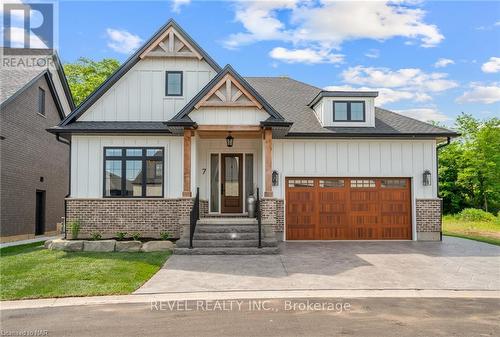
(17, 16)
(122, 41)
(424, 114)
(306, 55)
(442, 62)
(386, 95)
(260, 22)
(177, 4)
(17, 39)
(373, 53)
(479, 93)
(328, 24)
(410, 78)
(492, 66)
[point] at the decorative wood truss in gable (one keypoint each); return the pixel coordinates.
(171, 44)
(228, 92)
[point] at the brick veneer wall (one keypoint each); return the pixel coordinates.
(428, 218)
(273, 212)
(28, 154)
(203, 208)
(146, 216)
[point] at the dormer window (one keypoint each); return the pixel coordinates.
(349, 111)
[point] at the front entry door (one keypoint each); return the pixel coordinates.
(232, 183)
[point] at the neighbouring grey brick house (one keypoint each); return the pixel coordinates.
(170, 122)
(34, 165)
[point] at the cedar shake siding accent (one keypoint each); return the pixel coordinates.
(28, 153)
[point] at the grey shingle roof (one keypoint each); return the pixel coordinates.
(291, 98)
(18, 71)
(110, 127)
(13, 80)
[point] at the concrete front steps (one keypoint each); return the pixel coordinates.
(228, 236)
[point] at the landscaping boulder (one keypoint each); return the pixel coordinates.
(47, 244)
(128, 246)
(99, 246)
(67, 245)
(157, 246)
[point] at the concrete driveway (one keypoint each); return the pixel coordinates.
(454, 264)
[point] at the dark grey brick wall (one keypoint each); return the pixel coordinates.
(429, 212)
(149, 217)
(29, 152)
(273, 213)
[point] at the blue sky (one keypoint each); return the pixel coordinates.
(430, 60)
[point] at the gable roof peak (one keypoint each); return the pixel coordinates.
(129, 63)
(211, 88)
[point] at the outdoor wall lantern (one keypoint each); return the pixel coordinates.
(426, 178)
(275, 178)
(229, 140)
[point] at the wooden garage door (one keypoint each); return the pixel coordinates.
(348, 209)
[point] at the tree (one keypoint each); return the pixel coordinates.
(85, 75)
(469, 168)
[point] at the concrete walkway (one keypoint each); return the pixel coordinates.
(454, 264)
(23, 242)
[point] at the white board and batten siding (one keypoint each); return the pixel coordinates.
(87, 155)
(228, 116)
(356, 158)
(140, 94)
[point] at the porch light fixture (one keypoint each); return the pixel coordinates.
(426, 178)
(229, 140)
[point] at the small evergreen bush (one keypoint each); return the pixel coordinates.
(121, 235)
(165, 235)
(96, 236)
(75, 229)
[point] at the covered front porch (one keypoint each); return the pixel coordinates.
(228, 163)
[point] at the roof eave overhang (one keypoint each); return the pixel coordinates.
(275, 123)
(369, 135)
(87, 131)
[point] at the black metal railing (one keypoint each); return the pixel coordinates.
(259, 217)
(194, 216)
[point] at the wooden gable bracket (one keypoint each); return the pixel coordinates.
(167, 47)
(229, 99)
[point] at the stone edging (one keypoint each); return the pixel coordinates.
(108, 246)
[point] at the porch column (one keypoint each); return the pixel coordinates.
(186, 191)
(268, 163)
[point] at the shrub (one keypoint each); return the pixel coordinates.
(474, 214)
(165, 235)
(121, 236)
(96, 236)
(75, 229)
(136, 236)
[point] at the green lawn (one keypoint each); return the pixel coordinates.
(475, 230)
(30, 271)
